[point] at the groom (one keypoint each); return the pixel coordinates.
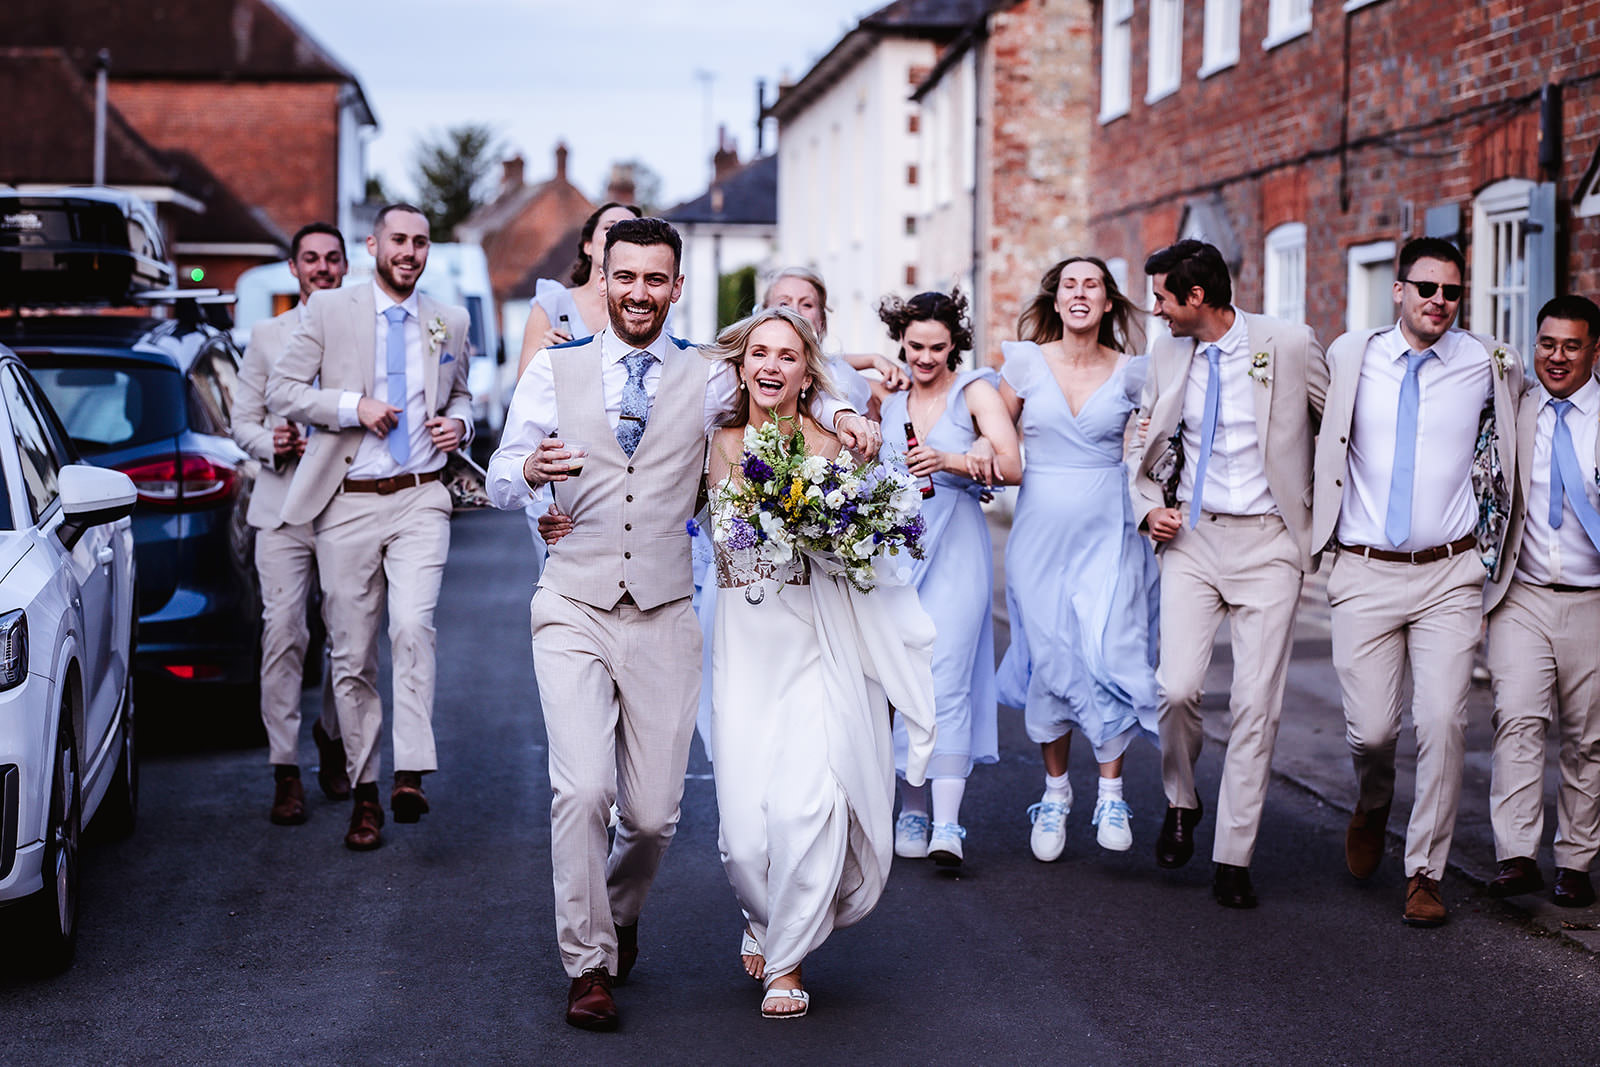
(616, 647)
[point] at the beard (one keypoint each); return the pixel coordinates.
(643, 336)
(386, 271)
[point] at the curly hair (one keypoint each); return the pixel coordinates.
(584, 266)
(1041, 323)
(948, 309)
(734, 341)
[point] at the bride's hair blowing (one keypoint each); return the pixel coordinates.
(734, 341)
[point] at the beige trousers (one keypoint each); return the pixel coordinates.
(619, 690)
(1544, 653)
(372, 547)
(1385, 617)
(1246, 569)
(284, 559)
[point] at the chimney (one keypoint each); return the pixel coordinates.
(561, 161)
(510, 174)
(621, 187)
(726, 161)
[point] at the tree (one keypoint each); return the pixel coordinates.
(450, 171)
(736, 296)
(376, 192)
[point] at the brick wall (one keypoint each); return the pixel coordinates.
(1442, 102)
(526, 240)
(275, 144)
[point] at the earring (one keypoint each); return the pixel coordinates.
(741, 385)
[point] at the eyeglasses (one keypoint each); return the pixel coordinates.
(1571, 346)
(1452, 293)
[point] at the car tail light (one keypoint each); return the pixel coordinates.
(183, 481)
(191, 672)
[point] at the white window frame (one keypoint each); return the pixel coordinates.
(1165, 68)
(1283, 276)
(1500, 262)
(1351, 5)
(1221, 48)
(1286, 20)
(1358, 314)
(1116, 60)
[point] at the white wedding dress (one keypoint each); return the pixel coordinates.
(804, 668)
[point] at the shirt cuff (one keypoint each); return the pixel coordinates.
(347, 410)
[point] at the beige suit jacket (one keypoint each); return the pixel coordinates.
(1333, 446)
(252, 423)
(1287, 407)
(331, 352)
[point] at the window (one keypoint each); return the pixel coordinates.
(911, 275)
(40, 470)
(1284, 278)
(1286, 20)
(911, 174)
(913, 123)
(1222, 36)
(115, 404)
(1500, 263)
(911, 225)
(1369, 287)
(1166, 49)
(1116, 59)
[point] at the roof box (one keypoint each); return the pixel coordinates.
(79, 246)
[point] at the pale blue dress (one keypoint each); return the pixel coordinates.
(1081, 583)
(955, 582)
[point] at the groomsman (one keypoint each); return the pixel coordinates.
(286, 553)
(616, 646)
(1544, 617)
(1414, 465)
(1223, 486)
(381, 371)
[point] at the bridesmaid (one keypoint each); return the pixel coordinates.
(950, 412)
(1080, 582)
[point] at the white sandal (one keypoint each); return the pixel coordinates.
(748, 947)
(799, 996)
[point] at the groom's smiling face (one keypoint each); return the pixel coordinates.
(641, 281)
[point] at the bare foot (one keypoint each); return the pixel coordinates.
(778, 1000)
(755, 964)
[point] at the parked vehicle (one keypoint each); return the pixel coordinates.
(67, 738)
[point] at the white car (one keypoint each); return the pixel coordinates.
(66, 641)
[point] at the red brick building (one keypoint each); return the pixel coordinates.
(523, 222)
(1308, 140)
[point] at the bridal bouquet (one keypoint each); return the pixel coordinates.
(843, 515)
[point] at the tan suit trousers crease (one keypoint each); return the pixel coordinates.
(619, 690)
(372, 548)
(1387, 616)
(284, 559)
(1247, 570)
(1544, 654)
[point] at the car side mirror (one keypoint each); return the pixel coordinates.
(92, 496)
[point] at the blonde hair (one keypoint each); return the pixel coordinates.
(811, 278)
(734, 341)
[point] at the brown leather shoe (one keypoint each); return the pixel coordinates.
(1573, 889)
(1517, 875)
(408, 802)
(1175, 843)
(288, 803)
(1424, 905)
(589, 1003)
(331, 774)
(627, 951)
(365, 818)
(1364, 840)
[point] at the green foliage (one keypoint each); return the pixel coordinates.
(736, 296)
(451, 171)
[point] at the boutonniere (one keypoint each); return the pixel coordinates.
(436, 333)
(1501, 359)
(1260, 364)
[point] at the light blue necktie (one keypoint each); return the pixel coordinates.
(1566, 480)
(1208, 431)
(635, 404)
(399, 438)
(1397, 524)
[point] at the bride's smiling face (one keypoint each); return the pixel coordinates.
(774, 367)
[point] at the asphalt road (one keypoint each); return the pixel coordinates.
(212, 936)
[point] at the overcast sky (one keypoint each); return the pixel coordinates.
(614, 81)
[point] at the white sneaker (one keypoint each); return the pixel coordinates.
(1112, 815)
(911, 836)
(945, 847)
(1049, 837)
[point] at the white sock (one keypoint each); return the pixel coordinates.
(913, 799)
(947, 794)
(1111, 788)
(1056, 787)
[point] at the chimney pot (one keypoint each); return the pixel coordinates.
(561, 161)
(511, 173)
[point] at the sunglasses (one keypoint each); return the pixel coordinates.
(1452, 293)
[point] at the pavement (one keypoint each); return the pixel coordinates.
(1312, 754)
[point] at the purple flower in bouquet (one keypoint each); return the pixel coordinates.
(742, 535)
(755, 468)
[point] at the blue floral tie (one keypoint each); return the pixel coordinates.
(399, 438)
(635, 404)
(1397, 523)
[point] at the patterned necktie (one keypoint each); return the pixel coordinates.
(1208, 431)
(1566, 480)
(635, 404)
(1397, 524)
(399, 438)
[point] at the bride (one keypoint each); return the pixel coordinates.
(804, 668)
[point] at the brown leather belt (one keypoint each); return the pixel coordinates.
(1422, 555)
(1557, 587)
(385, 486)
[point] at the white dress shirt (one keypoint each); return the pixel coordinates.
(373, 459)
(532, 415)
(1564, 556)
(1236, 474)
(1452, 390)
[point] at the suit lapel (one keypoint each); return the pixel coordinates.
(1174, 357)
(363, 326)
(426, 312)
(1260, 340)
(1527, 428)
